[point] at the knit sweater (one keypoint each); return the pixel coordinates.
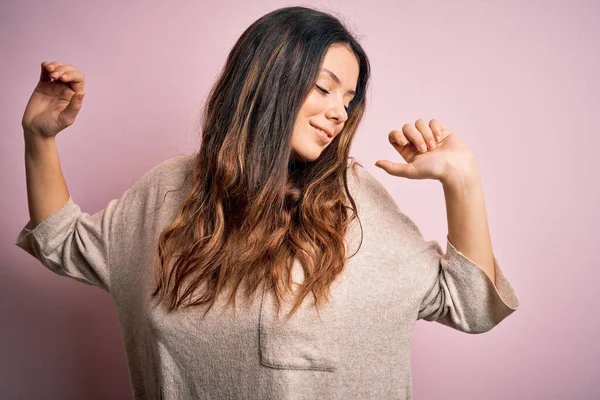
(359, 348)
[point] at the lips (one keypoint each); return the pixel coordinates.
(328, 132)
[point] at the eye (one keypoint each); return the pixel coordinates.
(320, 89)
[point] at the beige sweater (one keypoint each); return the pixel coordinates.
(360, 349)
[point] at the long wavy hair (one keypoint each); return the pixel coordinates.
(252, 209)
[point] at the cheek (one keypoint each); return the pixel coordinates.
(314, 104)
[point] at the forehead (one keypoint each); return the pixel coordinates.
(342, 62)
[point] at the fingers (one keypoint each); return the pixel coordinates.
(45, 74)
(421, 135)
(437, 128)
(50, 67)
(397, 138)
(66, 73)
(67, 116)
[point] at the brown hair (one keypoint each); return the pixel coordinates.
(252, 208)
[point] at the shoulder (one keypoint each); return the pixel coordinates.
(169, 179)
(365, 186)
(172, 168)
(170, 173)
(376, 203)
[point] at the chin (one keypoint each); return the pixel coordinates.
(306, 154)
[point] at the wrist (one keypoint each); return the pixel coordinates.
(35, 144)
(460, 178)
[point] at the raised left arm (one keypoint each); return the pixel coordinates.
(450, 161)
(459, 297)
(468, 229)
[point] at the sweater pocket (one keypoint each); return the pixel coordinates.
(306, 341)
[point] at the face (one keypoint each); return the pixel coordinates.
(323, 114)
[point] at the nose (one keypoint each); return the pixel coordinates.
(337, 112)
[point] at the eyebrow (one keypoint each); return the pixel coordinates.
(336, 79)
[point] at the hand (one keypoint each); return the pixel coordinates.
(447, 157)
(55, 102)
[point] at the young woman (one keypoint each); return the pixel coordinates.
(270, 265)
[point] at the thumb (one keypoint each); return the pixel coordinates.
(397, 169)
(70, 112)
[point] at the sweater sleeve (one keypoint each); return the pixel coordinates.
(462, 296)
(76, 244)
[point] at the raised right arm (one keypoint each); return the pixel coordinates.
(53, 106)
(46, 187)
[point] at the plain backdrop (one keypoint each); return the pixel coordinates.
(518, 81)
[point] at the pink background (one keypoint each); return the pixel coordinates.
(518, 81)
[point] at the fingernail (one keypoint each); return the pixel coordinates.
(431, 144)
(423, 148)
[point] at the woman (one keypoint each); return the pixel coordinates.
(270, 265)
